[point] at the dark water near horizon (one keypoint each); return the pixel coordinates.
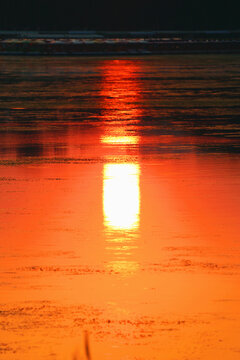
(119, 207)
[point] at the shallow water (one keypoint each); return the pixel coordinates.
(119, 205)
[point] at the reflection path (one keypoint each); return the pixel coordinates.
(121, 181)
(121, 209)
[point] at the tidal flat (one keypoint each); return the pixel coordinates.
(119, 207)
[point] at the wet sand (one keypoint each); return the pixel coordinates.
(119, 188)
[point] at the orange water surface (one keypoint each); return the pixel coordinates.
(119, 208)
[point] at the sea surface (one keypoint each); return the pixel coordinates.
(119, 207)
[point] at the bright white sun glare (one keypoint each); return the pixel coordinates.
(120, 140)
(121, 196)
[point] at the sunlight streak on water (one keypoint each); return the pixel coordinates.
(124, 140)
(123, 267)
(121, 196)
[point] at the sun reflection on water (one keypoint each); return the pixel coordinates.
(123, 267)
(121, 95)
(121, 196)
(124, 140)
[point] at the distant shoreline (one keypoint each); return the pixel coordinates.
(118, 43)
(91, 50)
(118, 34)
(114, 54)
